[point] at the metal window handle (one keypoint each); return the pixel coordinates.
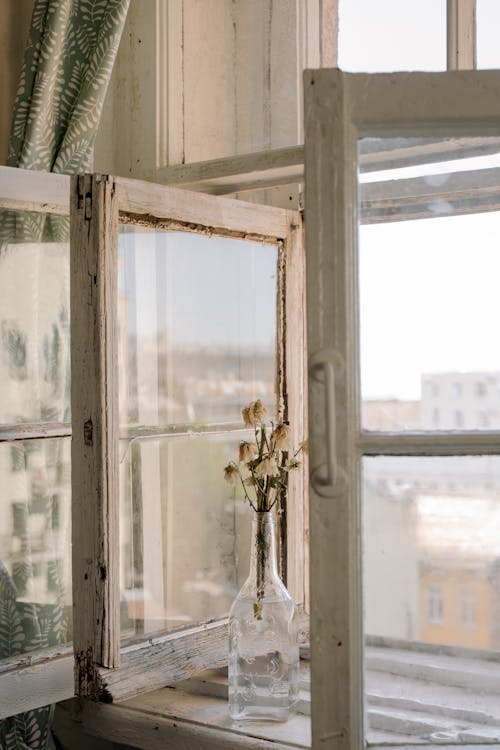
(324, 477)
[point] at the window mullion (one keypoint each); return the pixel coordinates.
(34, 431)
(461, 34)
(429, 444)
(94, 406)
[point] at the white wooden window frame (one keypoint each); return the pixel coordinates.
(341, 108)
(104, 670)
(97, 203)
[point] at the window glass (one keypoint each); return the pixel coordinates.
(198, 323)
(34, 318)
(432, 598)
(487, 24)
(429, 305)
(197, 326)
(390, 35)
(185, 532)
(35, 545)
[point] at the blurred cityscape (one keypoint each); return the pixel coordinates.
(431, 525)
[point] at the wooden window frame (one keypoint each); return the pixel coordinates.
(103, 669)
(340, 109)
(96, 205)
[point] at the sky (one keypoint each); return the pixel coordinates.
(429, 295)
(388, 35)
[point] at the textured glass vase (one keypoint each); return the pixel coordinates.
(263, 636)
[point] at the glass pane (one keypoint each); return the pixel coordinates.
(185, 532)
(429, 303)
(34, 318)
(198, 326)
(487, 24)
(389, 35)
(431, 531)
(35, 545)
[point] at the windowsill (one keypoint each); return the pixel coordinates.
(415, 696)
(194, 714)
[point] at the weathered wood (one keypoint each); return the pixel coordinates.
(431, 196)
(34, 431)
(165, 660)
(173, 721)
(461, 34)
(332, 330)
(176, 207)
(393, 105)
(94, 406)
(27, 190)
(36, 680)
(296, 411)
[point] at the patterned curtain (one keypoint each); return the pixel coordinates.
(69, 56)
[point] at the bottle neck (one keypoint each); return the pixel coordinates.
(263, 556)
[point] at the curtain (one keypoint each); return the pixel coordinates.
(71, 48)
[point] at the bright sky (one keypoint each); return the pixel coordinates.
(205, 291)
(389, 35)
(429, 290)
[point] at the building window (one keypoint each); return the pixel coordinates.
(468, 609)
(458, 419)
(483, 420)
(434, 606)
(435, 417)
(480, 389)
(456, 389)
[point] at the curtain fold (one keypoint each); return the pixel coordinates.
(70, 52)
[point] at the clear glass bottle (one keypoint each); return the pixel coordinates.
(263, 636)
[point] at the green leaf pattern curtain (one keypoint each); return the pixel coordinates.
(69, 56)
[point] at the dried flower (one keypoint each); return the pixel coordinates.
(247, 451)
(231, 473)
(281, 437)
(267, 468)
(262, 467)
(304, 446)
(246, 416)
(253, 414)
(257, 411)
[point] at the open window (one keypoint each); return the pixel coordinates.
(402, 320)
(180, 314)
(180, 305)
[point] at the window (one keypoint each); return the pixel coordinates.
(178, 417)
(373, 337)
(434, 606)
(457, 389)
(480, 389)
(468, 608)
(180, 413)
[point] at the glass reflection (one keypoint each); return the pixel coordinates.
(35, 545)
(197, 326)
(34, 318)
(184, 535)
(431, 565)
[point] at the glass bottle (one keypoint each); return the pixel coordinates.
(263, 635)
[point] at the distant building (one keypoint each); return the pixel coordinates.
(461, 401)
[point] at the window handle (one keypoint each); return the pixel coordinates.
(322, 372)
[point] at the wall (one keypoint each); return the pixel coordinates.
(200, 79)
(15, 16)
